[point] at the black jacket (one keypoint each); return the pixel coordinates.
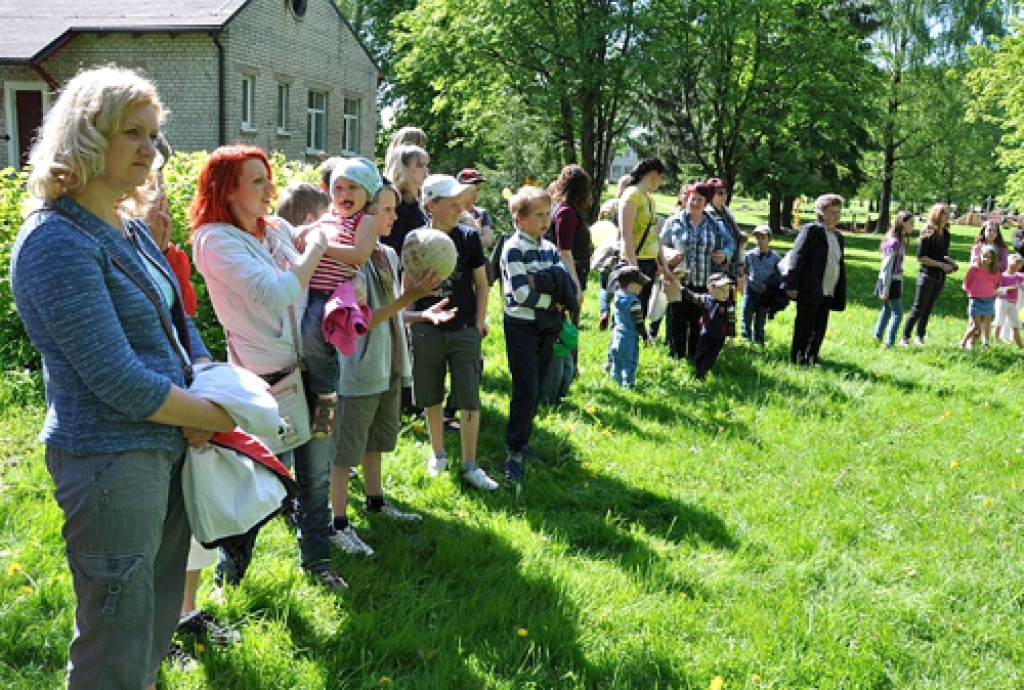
(807, 267)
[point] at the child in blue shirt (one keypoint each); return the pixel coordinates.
(761, 265)
(624, 347)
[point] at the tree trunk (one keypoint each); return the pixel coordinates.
(787, 212)
(889, 144)
(775, 213)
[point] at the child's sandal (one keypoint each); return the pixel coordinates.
(322, 425)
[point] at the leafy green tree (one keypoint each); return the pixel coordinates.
(911, 34)
(571, 65)
(995, 80)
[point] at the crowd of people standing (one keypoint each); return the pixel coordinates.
(94, 284)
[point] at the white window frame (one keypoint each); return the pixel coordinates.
(350, 130)
(284, 98)
(316, 122)
(248, 103)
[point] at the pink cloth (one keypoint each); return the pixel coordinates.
(344, 319)
(1010, 280)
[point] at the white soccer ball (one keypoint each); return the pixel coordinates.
(427, 249)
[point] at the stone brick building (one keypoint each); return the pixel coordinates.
(286, 75)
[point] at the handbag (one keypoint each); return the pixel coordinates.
(295, 428)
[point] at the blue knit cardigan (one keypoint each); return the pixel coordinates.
(108, 363)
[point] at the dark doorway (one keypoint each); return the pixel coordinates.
(28, 108)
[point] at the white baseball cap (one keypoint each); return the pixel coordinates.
(442, 187)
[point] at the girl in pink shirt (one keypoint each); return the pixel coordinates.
(981, 284)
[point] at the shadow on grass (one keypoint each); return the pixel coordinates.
(449, 603)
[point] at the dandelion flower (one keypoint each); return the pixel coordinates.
(25, 589)
(13, 569)
(947, 414)
(953, 465)
(756, 679)
(716, 683)
(592, 409)
(989, 502)
(522, 632)
(385, 682)
(200, 647)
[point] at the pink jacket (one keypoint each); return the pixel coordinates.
(344, 319)
(980, 284)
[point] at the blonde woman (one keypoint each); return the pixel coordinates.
(104, 308)
(407, 171)
(933, 256)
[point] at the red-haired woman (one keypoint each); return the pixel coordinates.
(255, 276)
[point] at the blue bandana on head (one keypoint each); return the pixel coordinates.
(361, 171)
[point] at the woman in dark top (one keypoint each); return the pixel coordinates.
(817, 279)
(407, 169)
(933, 255)
(571, 194)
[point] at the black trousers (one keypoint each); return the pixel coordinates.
(683, 327)
(929, 287)
(809, 331)
(706, 355)
(529, 353)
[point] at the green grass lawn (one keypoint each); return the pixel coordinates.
(851, 526)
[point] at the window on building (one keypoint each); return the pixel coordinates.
(283, 99)
(316, 122)
(248, 89)
(350, 135)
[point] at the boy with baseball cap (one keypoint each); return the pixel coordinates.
(454, 345)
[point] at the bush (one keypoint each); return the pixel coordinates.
(180, 175)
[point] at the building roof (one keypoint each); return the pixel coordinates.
(29, 29)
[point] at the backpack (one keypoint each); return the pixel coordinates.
(494, 261)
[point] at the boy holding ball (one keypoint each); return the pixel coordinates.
(455, 344)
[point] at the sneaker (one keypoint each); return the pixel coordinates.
(178, 658)
(202, 624)
(389, 510)
(436, 465)
(478, 479)
(919, 341)
(514, 471)
(348, 541)
(904, 342)
(327, 577)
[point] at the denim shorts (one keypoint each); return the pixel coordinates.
(982, 306)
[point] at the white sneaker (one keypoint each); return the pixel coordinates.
(478, 479)
(436, 465)
(388, 510)
(348, 541)
(919, 341)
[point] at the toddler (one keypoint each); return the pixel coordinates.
(717, 321)
(624, 347)
(981, 284)
(351, 237)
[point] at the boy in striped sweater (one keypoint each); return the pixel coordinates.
(533, 277)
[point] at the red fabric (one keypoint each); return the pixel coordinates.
(567, 222)
(183, 272)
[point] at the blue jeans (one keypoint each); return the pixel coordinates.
(625, 355)
(754, 315)
(127, 539)
(891, 315)
(313, 475)
(604, 306)
(323, 365)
